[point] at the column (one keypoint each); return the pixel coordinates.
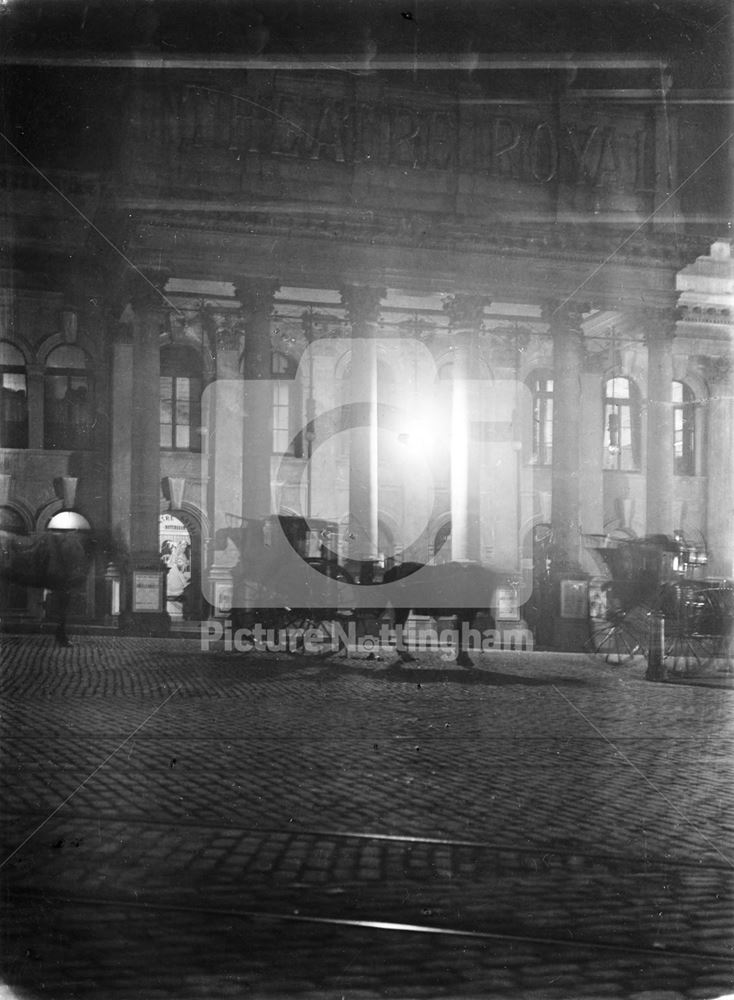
(660, 333)
(146, 317)
(223, 452)
(720, 468)
(568, 365)
(121, 425)
(256, 296)
(362, 305)
(465, 315)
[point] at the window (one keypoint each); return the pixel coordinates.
(286, 423)
(14, 398)
(541, 387)
(68, 416)
(442, 544)
(180, 399)
(621, 424)
(684, 430)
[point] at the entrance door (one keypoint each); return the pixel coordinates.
(175, 549)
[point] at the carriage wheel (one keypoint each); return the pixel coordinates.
(319, 620)
(621, 635)
(698, 637)
(687, 654)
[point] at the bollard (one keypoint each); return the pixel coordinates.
(656, 648)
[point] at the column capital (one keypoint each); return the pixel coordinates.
(256, 295)
(658, 324)
(362, 303)
(564, 316)
(145, 290)
(465, 311)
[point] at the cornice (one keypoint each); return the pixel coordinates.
(554, 242)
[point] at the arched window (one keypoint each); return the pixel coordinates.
(442, 543)
(685, 457)
(14, 398)
(286, 407)
(621, 424)
(540, 384)
(68, 415)
(180, 398)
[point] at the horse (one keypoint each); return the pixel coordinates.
(58, 561)
(461, 590)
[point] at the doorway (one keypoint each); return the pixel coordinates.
(176, 555)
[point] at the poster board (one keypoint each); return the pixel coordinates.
(574, 598)
(147, 591)
(507, 606)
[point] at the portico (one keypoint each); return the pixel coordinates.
(347, 250)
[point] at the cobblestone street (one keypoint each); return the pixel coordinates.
(189, 824)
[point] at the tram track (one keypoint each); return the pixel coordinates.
(529, 849)
(543, 895)
(386, 926)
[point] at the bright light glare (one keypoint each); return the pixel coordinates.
(417, 438)
(421, 433)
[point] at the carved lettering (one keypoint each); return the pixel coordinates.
(290, 132)
(644, 182)
(371, 134)
(607, 168)
(441, 152)
(582, 150)
(521, 146)
(328, 142)
(543, 150)
(506, 141)
(406, 127)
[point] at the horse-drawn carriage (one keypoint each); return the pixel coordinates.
(286, 574)
(659, 580)
(290, 576)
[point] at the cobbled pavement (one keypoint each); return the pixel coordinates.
(185, 824)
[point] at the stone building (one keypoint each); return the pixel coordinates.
(449, 300)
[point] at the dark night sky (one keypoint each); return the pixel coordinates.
(695, 33)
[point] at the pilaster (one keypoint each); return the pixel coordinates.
(145, 315)
(660, 332)
(36, 405)
(720, 466)
(569, 591)
(568, 365)
(256, 296)
(122, 381)
(466, 313)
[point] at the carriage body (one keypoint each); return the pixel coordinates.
(286, 573)
(661, 579)
(289, 577)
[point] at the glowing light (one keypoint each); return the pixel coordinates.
(68, 520)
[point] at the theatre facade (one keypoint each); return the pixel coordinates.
(450, 313)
